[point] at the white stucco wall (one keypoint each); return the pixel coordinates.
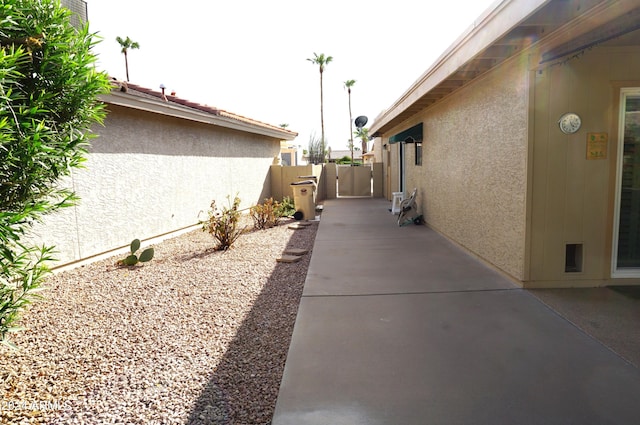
(473, 181)
(147, 175)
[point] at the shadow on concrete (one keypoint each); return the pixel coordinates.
(244, 386)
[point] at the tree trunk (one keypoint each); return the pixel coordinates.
(321, 118)
(126, 65)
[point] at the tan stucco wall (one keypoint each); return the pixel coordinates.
(573, 197)
(472, 184)
(283, 176)
(147, 175)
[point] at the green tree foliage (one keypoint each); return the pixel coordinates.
(48, 100)
(127, 44)
(345, 160)
(363, 135)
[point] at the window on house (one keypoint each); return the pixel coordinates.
(418, 151)
(285, 158)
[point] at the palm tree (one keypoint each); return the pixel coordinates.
(127, 44)
(322, 61)
(363, 135)
(348, 84)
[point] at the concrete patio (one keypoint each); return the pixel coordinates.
(399, 326)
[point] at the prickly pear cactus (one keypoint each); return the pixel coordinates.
(146, 255)
(132, 259)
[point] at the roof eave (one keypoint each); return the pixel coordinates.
(168, 109)
(545, 30)
(490, 26)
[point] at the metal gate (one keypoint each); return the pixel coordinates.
(355, 181)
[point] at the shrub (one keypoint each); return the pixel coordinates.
(265, 215)
(315, 153)
(22, 274)
(286, 208)
(48, 101)
(223, 224)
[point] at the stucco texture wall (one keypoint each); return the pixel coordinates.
(472, 184)
(148, 175)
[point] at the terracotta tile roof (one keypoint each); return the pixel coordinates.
(136, 90)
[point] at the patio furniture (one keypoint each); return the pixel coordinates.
(398, 197)
(408, 209)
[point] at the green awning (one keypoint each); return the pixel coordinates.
(410, 135)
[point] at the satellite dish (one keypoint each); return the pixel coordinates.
(361, 121)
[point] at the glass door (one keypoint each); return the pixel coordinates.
(626, 256)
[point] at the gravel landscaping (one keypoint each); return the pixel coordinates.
(195, 336)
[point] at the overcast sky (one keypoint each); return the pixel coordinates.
(250, 57)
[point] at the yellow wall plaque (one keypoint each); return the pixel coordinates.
(597, 144)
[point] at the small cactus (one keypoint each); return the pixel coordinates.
(132, 259)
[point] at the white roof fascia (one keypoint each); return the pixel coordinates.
(498, 20)
(178, 111)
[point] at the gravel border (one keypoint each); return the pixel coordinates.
(195, 336)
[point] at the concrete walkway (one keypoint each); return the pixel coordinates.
(399, 326)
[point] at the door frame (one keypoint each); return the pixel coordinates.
(402, 166)
(631, 272)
